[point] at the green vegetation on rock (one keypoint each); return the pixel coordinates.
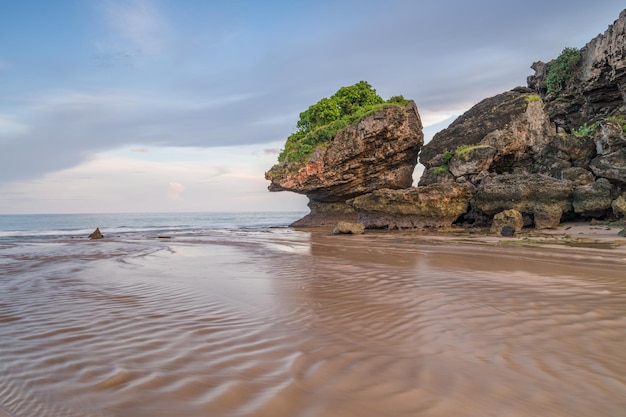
(621, 120)
(465, 149)
(461, 151)
(441, 169)
(561, 69)
(532, 97)
(585, 130)
(324, 119)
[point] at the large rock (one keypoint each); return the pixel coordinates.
(611, 166)
(433, 206)
(505, 133)
(609, 137)
(532, 194)
(565, 151)
(593, 200)
(512, 218)
(378, 152)
(547, 216)
(619, 206)
(347, 228)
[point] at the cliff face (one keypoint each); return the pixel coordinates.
(378, 152)
(549, 155)
(597, 87)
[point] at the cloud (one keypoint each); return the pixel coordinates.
(10, 127)
(141, 150)
(250, 88)
(175, 190)
(137, 29)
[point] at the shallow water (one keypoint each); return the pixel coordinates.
(286, 323)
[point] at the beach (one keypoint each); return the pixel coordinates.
(282, 322)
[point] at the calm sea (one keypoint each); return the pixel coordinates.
(116, 224)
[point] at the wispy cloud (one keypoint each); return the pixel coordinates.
(10, 127)
(175, 190)
(137, 28)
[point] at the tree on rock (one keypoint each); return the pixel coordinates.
(322, 120)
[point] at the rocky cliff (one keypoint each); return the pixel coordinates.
(539, 154)
(378, 152)
(596, 88)
(551, 152)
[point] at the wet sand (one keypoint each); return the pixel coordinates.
(288, 323)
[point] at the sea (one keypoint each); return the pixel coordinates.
(239, 315)
(53, 226)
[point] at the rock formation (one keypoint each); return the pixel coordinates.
(597, 87)
(96, 234)
(548, 154)
(549, 151)
(433, 206)
(378, 152)
(507, 218)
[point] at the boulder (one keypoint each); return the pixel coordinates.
(504, 133)
(347, 228)
(511, 218)
(609, 138)
(507, 231)
(432, 206)
(96, 234)
(611, 166)
(619, 206)
(593, 200)
(563, 152)
(526, 193)
(547, 216)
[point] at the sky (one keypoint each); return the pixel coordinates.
(182, 105)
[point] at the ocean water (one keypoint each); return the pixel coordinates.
(235, 315)
(81, 225)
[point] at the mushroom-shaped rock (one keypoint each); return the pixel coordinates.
(379, 151)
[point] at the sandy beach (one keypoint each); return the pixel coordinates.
(279, 322)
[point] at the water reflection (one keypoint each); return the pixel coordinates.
(298, 324)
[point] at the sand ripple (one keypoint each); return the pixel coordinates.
(292, 324)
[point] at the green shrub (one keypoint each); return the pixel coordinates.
(561, 69)
(398, 100)
(532, 97)
(585, 130)
(324, 119)
(441, 169)
(461, 151)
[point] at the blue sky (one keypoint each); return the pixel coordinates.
(182, 105)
